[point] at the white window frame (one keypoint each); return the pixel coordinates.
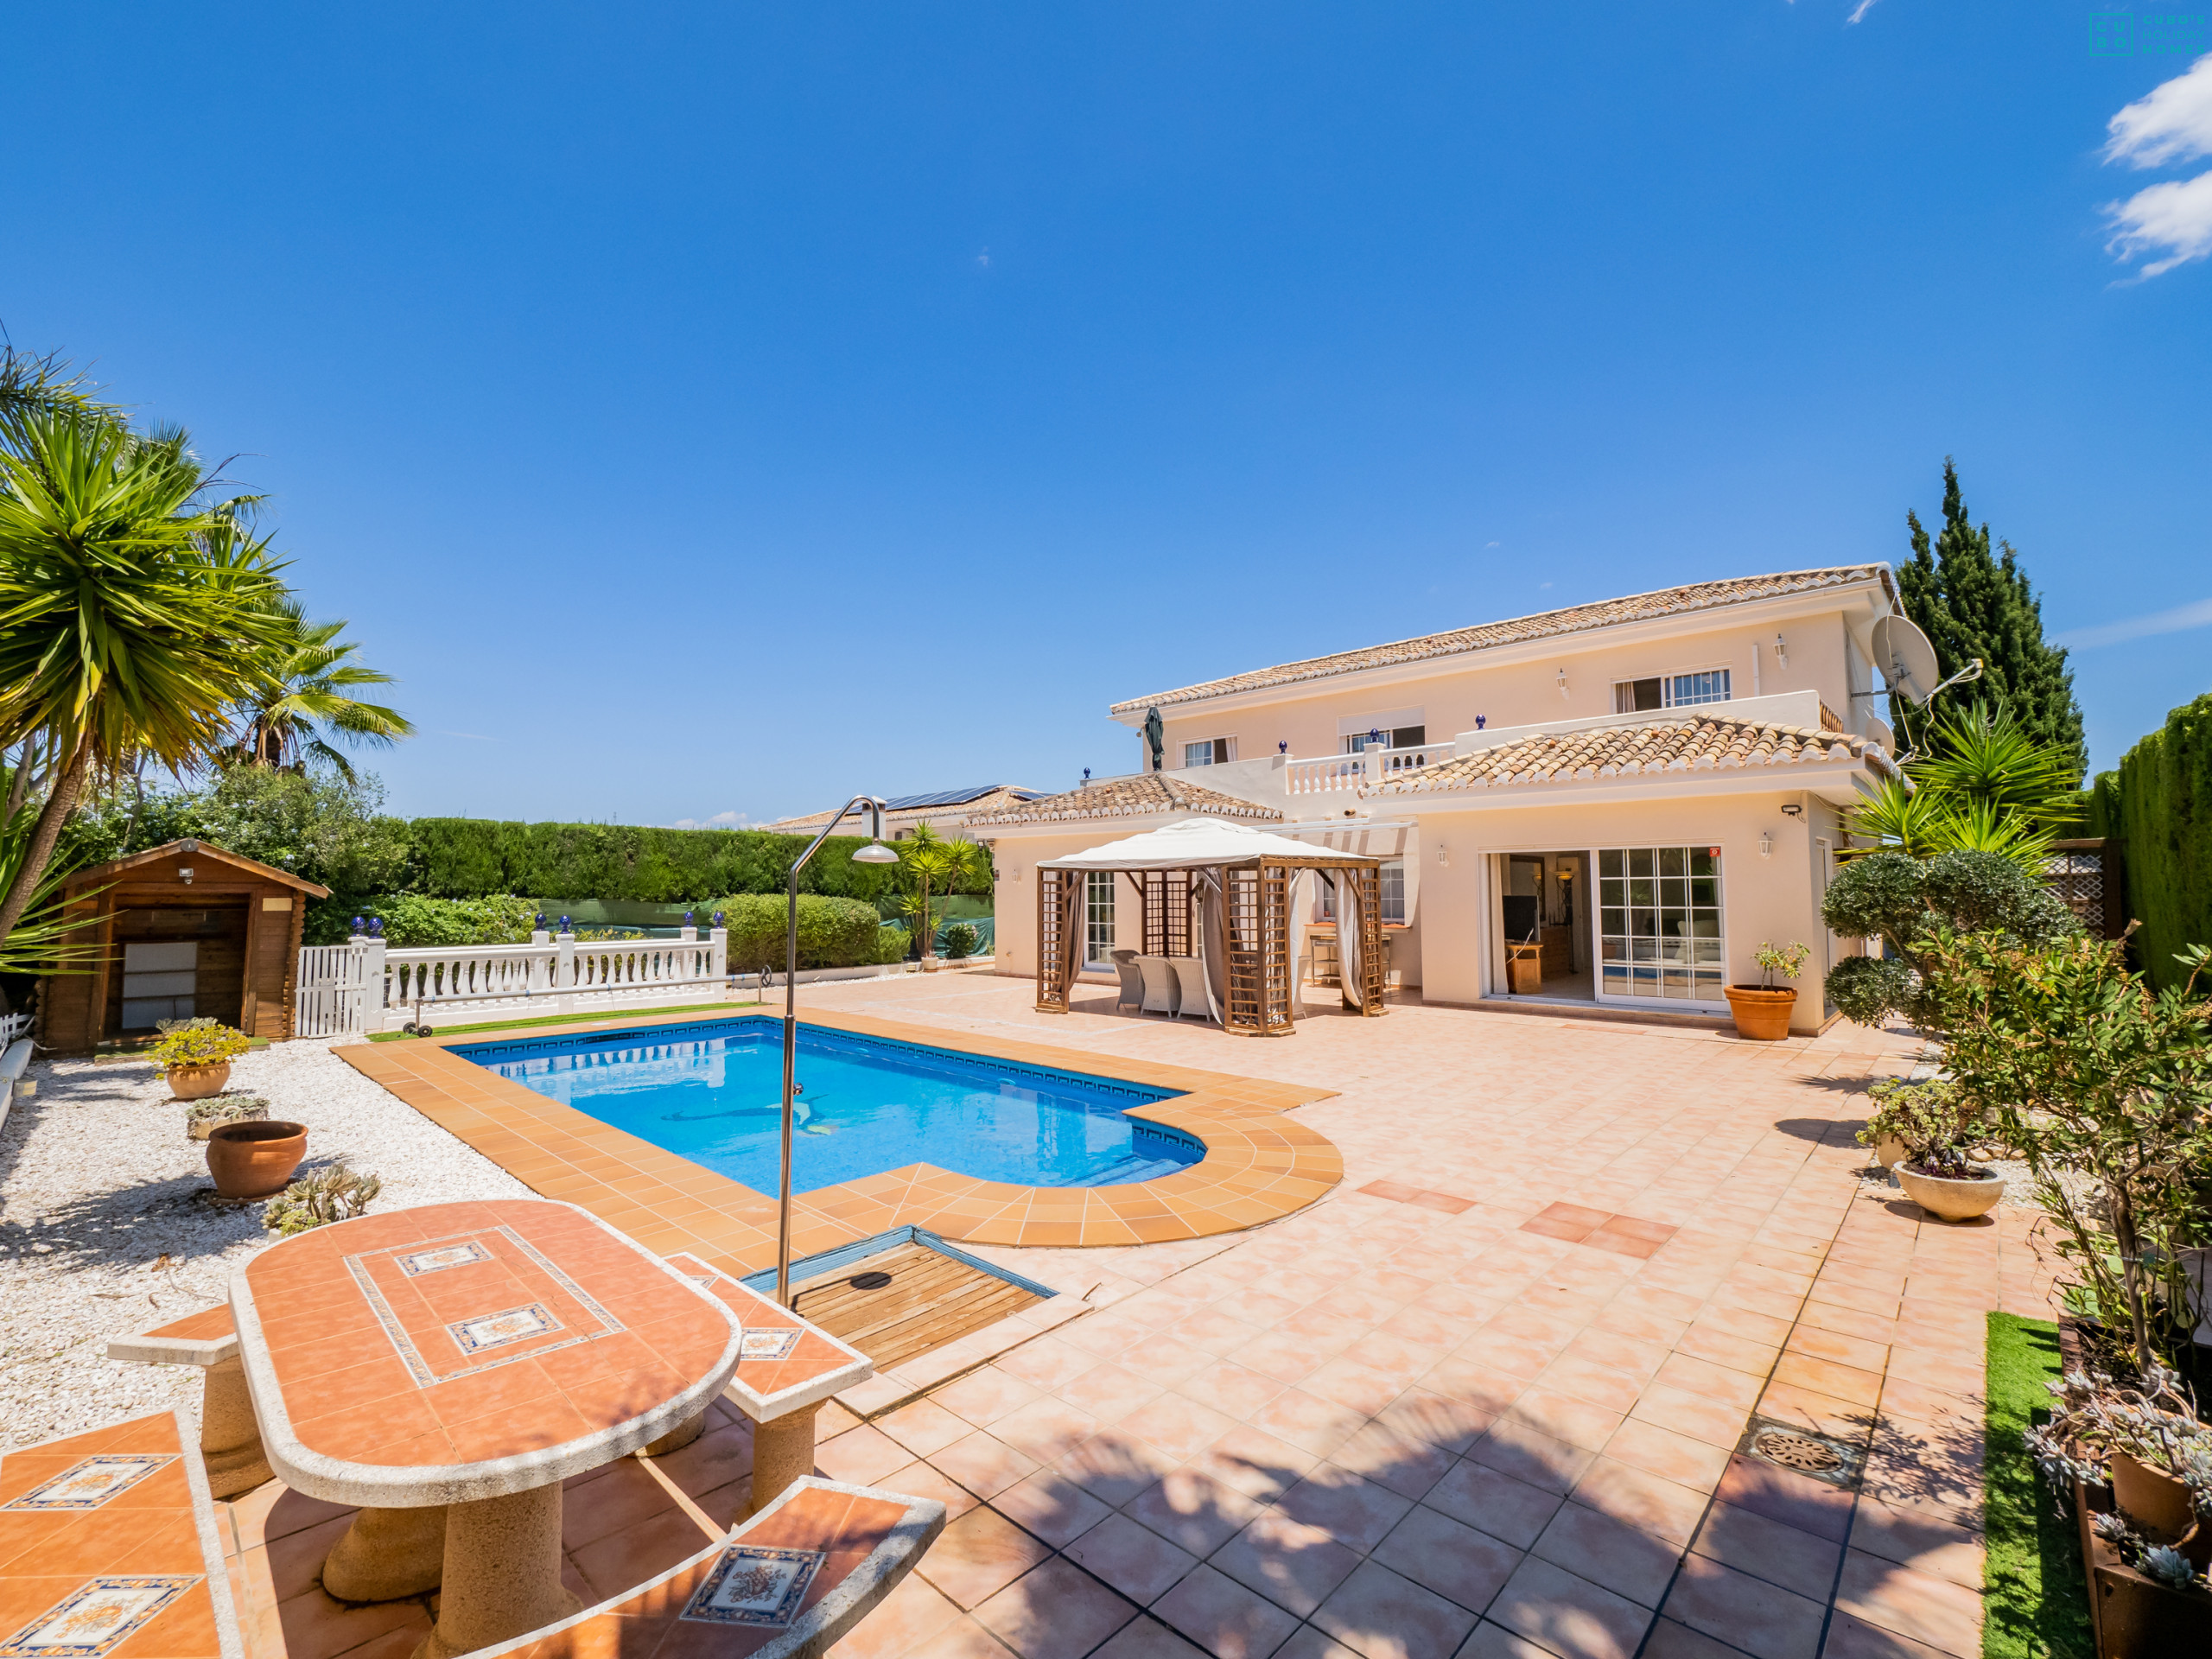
(1597, 900)
(1220, 751)
(1098, 919)
(1391, 867)
(1666, 687)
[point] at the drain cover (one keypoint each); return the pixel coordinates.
(1794, 1451)
(868, 1281)
(1785, 1445)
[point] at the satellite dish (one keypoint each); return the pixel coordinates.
(1905, 657)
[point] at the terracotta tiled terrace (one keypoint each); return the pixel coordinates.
(1485, 1397)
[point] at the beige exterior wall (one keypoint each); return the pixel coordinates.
(1776, 897)
(1015, 895)
(1822, 657)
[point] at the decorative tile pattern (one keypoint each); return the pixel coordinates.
(754, 1585)
(768, 1345)
(498, 1330)
(478, 1333)
(90, 1484)
(95, 1619)
(416, 1263)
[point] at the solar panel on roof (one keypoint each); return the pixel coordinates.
(940, 797)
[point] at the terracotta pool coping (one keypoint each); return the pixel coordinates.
(1258, 1165)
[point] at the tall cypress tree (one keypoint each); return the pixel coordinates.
(1971, 603)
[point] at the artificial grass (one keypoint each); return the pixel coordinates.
(2035, 1601)
(437, 1030)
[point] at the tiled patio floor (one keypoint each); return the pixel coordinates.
(1482, 1400)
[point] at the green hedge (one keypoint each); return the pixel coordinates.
(2159, 802)
(832, 933)
(464, 858)
(411, 919)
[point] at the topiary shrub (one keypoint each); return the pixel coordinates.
(1906, 901)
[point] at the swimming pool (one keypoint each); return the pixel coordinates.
(713, 1092)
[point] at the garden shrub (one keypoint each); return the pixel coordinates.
(2159, 802)
(960, 939)
(832, 933)
(411, 919)
(892, 944)
(465, 857)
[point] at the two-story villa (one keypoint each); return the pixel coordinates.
(1613, 804)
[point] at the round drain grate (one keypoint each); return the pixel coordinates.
(869, 1280)
(1798, 1452)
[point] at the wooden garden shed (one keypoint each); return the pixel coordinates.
(192, 930)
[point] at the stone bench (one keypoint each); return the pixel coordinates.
(109, 1538)
(787, 1584)
(230, 1437)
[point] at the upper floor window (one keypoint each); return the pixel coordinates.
(1392, 737)
(1670, 691)
(1210, 752)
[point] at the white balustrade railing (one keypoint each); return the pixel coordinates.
(1344, 774)
(365, 985)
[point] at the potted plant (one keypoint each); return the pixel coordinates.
(335, 1194)
(254, 1159)
(2142, 1439)
(197, 1055)
(1763, 1010)
(1906, 1113)
(1943, 1181)
(203, 1117)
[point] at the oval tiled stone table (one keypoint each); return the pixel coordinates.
(471, 1355)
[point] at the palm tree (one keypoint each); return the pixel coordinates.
(305, 704)
(135, 610)
(1989, 787)
(930, 858)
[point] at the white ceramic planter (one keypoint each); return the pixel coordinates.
(1950, 1200)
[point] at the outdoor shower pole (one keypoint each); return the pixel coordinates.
(882, 856)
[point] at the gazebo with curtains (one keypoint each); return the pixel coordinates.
(1230, 895)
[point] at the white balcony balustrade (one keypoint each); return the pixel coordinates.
(1345, 774)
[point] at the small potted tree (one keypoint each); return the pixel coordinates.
(1763, 1010)
(196, 1055)
(1905, 1113)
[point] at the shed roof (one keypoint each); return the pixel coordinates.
(189, 848)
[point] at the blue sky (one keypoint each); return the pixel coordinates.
(717, 410)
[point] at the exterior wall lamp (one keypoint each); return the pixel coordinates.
(1766, 845)
(1792, 809)
(1562, 683)
(1781, 652)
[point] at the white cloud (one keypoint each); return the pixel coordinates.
(2179, 619)
(2173, 220)
(2172, 122)
(720, 821)
(1858, 11)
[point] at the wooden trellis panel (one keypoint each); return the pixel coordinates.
(2085, 877)
(1051, 944)
(1257, 913)
(1371, 964)
(1167, 912)
(1275, 949)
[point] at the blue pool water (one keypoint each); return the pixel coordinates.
(713, 1093)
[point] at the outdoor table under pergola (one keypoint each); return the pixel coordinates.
(1229, 895)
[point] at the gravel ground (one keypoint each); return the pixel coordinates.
(105, 1229)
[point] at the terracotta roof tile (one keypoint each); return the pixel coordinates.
(1689, 745)
(1668, 601)
(1139, 795)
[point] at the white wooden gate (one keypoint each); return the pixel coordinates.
(330, 998)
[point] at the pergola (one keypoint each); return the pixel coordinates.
(1228, 895)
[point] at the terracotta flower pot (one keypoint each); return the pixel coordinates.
(1763, 1015)
(198, 1082)
(1950, 1200)
(200, 1129)
(255, 1161)
(2152, 1498)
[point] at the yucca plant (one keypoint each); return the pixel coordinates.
(1989, 788)
(135, 610)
